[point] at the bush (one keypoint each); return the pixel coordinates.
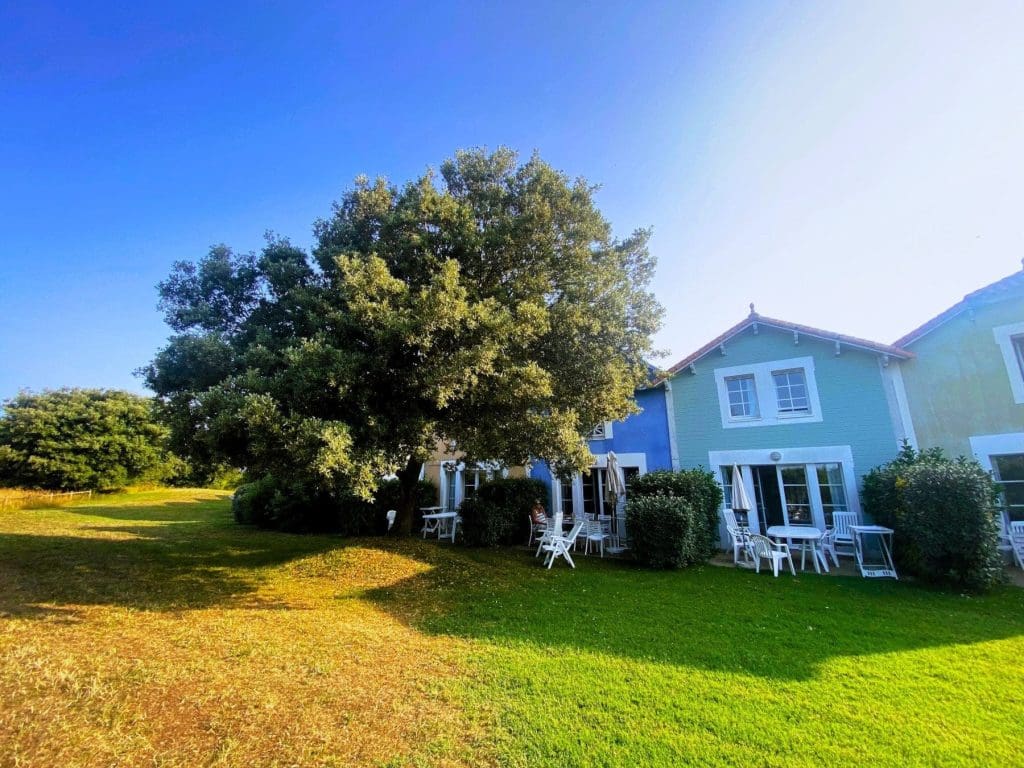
(498, 514)
(82, 439)
(698, 489)
(944, 517)
(665, 531)
(292, 506)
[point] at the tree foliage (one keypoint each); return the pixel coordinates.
(488, 306)
(81, 439)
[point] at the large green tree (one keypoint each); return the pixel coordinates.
(81, 439)
(488, 307)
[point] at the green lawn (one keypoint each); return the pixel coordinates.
(149, 630)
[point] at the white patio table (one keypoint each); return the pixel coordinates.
(881, 570)
(445, 523)
(808, 537)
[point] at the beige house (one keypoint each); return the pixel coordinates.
(456, 480)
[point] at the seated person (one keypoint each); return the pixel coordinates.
(537, 513)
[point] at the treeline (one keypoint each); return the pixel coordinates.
(92, 439)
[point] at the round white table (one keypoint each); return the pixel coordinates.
(808, 537)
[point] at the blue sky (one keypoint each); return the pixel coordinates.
(857, 166)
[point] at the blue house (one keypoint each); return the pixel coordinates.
(802, 412)
(641, 442)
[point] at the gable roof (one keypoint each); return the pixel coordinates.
(997, 291)
(784, 325)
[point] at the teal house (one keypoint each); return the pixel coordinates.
(802, 412)
(965, 383)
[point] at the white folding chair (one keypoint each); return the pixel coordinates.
(763, 548)
(553, 528)
(559, 546)
(536, 529)
(740, 539)
(842, 536)
(1017, 541)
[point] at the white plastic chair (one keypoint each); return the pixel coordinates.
(828, 546)
(595, 533)
(740, 539)
(763, 548)
(1017, 541)
(536, 529)
(559, 546)
(842, 536)
(392, 516)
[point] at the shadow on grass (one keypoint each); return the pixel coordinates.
(719, 619)
(191, 556)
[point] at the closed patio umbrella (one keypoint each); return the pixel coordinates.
(616, 484)
(740, 499)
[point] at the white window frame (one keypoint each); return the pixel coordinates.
(1004, 335)
(755, 400)
(791, 412)
(603, 431)
(767, 397)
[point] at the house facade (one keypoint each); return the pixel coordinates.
(965, 384)
(642, 443)
(457, 479)
(802, 412)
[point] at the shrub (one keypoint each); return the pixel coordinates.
(698, 489)
(293, 506)
(665, 531)
(82, 439)
(944, 517)
(498, 514)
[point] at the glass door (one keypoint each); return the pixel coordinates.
(796, 507)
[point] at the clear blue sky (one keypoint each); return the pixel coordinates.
(856, 165)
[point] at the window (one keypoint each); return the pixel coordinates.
(1010, 339)
(833, 494)
(470, 482)
(1009, 473)
(768, 394)
(791, 391)
(602, 431)
(565, 500)
(742, 397)
(449, 485)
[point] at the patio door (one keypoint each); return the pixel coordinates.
(792, 494)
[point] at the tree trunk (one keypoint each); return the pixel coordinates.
(408, 490)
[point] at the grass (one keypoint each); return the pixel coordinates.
(150, 630)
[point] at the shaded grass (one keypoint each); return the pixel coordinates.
(148, 629)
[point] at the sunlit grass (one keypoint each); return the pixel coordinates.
(148, 629)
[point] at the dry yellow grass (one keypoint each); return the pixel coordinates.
(149, 630)
(17, 498)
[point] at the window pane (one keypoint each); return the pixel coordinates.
(727, 486)
(791, 391)
(1010, 467)
(566, 501)
(798, 501)
(1018, 346)
(833, 492)
(742, 396)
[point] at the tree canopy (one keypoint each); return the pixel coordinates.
(487, 306)
(81, 439)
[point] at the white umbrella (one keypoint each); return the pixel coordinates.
(617, 489)
(740, 499)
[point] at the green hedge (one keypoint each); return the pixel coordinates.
(664, 531)
(701, 493)
(499, 511)
(944, 517)
(271, 503)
